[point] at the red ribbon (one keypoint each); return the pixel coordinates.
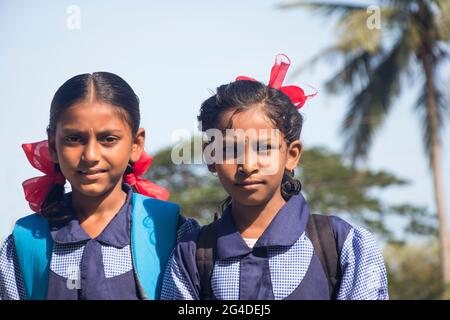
(36, 189)
(143, 186)
(277, 75)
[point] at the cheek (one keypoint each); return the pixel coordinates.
(226, 172)
(273, 164)
(118, 157)
(68, 157)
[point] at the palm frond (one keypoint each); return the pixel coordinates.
(326, 7)
(371, 105)
(443, 20)
(329, 54)
(355, 44)
(353, 74)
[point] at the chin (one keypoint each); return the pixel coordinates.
(92, 190)
(254, 199)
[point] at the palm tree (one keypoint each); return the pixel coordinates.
(411, 46)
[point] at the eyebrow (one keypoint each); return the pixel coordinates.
(76, 130)
(259, 141)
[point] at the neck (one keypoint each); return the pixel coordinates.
(253, 220)
(94, 213)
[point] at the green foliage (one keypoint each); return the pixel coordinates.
(333, 186)
(413, 271)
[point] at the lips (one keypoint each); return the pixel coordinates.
(90, 172)
(249, 183)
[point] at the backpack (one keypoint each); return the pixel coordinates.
(150, 250)
(318, 230)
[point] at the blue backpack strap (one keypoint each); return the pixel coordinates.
(34, 245)
(153, 237)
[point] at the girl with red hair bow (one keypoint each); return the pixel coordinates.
(266, 244)
(111, 236)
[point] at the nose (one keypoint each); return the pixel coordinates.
(250, 164)
(91, 152)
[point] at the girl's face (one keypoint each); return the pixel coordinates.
(93, 145)
(253, 173)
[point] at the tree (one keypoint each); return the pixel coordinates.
(413, 271)
(376, 65)
(333, 186)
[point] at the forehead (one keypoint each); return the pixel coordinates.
(87, 115)
(254, 118)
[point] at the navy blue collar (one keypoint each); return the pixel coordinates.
(284, 230)
(116, 233)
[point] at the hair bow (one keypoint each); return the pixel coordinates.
(36, 189)
(277, 75)
(143, 186)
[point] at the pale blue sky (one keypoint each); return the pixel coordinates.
(173, 53)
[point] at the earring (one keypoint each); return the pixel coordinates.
(214, 173)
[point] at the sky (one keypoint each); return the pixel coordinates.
(174, 54)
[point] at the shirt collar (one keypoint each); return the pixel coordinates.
(116, 233)
(284, 230)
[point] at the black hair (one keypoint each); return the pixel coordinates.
(243, 95)
(103, 86)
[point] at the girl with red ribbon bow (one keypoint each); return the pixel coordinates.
(266, 245)
(111, 236)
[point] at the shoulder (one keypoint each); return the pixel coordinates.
(353, 240)
(360, 241)
(32, 221)
(141, 200)
(31, 227)
(11, 284)
(186, 247)
(7, 249)
(153, 212)
(186, 228)
(348, 235)
(341, 230)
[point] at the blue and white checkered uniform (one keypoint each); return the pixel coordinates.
(81, 267)
(286, 266)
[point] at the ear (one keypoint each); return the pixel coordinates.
(294, 152)
(138, 145)
(52, 148)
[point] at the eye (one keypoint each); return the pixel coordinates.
(109, 139)
(229, 153)
(233, 151)
(72, 139)
(263, 147)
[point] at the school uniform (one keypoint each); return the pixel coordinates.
(282, 263)
(81, 267)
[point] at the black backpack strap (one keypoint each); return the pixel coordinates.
(320, 232)
(204, 256)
